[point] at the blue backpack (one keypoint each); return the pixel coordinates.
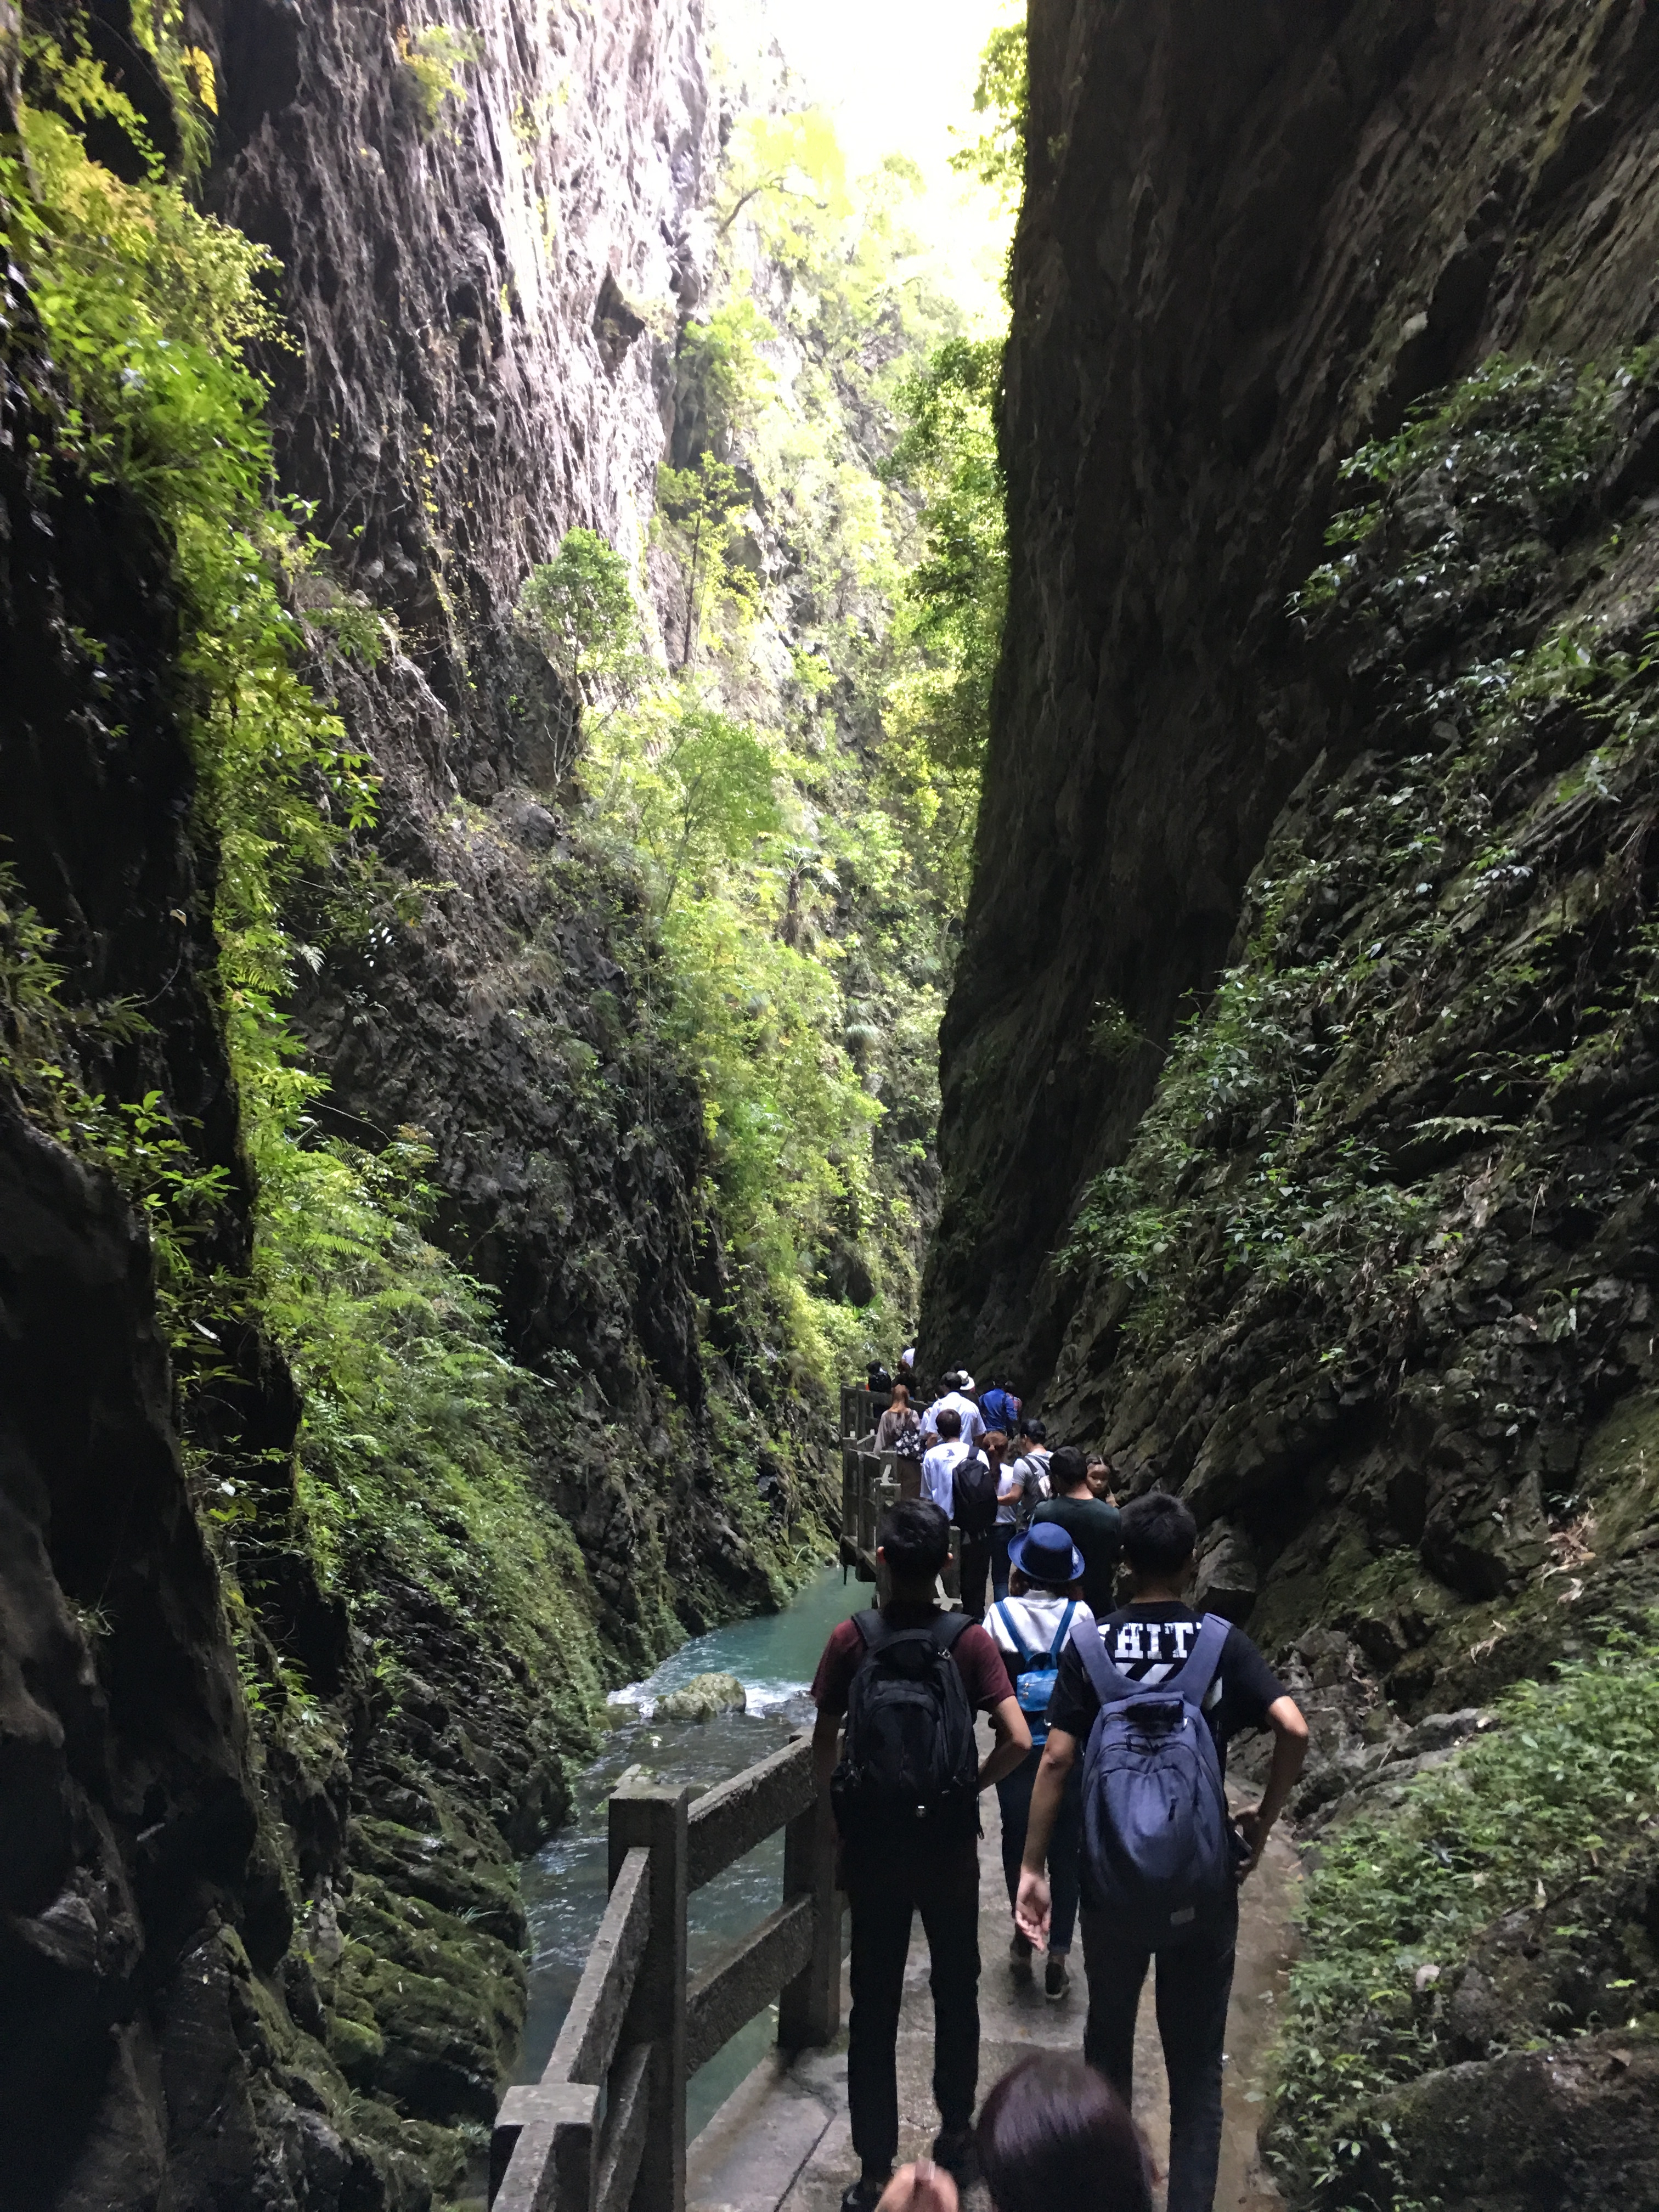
(1034, 1678)
(1155, 1828)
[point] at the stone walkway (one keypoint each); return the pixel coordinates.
(781, 2142)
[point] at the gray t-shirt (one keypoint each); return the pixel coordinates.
(1032, 1469)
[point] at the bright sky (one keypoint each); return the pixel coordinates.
(896, 74)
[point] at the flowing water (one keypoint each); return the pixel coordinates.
(564, 1885)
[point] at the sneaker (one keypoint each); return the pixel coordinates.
(953, 2149)
(1055, 1980)
(1019, 1953)
(864, 2193)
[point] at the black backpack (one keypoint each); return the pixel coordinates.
(910, 1765)
(974, 1497)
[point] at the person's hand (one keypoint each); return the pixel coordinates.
(923, 2187)
(1032, 1908)
(1256, 1832)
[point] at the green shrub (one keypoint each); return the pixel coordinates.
(1559, 1787)
(433, 59)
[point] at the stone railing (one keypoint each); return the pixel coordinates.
(604, 2129)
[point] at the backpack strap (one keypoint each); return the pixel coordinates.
(1111, 1687)
(872, 1628)
(1198, 1669)
(1019, 1655)
(1060, 1634)
(946, 1629)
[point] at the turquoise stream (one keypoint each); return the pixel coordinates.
(775, 1656)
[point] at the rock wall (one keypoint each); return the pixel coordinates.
(1298, 1077)
(487, 297)
(257, 1959)
(1249, 240)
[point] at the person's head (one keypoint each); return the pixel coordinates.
(1046, 1557)
(948, 1421)
(1158, 1532)
(901, 1398)
(1055, 2136)
(1100, 1475)
(913, 1543)
(993, 1444)
(1068, 1473)
(1033, 1432)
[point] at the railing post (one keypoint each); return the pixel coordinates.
(542, 2153)
(655, 1819)
(809, 2008)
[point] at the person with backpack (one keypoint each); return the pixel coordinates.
(1009, 1488)
(1031, 1467)
(899, 1432)
(1000, 1408)
(903, 1783)
(1031, 1627)
(1157, 1694)
(974, 1509)
(938, 1465)
(1091, 1526)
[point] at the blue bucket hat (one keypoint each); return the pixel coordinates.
(1045, 1554)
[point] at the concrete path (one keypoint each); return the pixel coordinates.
(781, 2142)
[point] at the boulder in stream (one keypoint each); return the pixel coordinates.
(702, 1699)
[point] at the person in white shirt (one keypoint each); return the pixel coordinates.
(971, 1421)
(1031, 1627)
(939, 1467)
(1010, 1484)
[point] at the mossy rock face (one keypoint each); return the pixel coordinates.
(357, 2049)
(1482, 2136)
(427, 2008)
(703, 1697)
(434, 1866)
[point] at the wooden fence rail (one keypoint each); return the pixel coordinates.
(604, 2129)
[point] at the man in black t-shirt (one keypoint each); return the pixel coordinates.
(1148, 1640)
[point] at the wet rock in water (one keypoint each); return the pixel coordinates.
(703, 1697)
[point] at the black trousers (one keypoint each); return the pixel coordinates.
(976, 1569)
(1194, 1981)
(942, 1884)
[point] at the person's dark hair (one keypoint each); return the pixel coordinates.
(916, 1538)
(1034, 1431)
(1055, 2134)
(1158, 1533)
(1068, 1470)
(994, 1440)
(948, 1422)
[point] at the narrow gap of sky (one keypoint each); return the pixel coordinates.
(898, 77)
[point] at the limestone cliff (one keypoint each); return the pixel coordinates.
(1245, 251)
(1298, 1077)
(1249, 241)
(260, 1939)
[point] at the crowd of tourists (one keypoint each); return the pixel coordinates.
(1111, 1710)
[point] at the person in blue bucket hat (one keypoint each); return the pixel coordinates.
(1032, 1626)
